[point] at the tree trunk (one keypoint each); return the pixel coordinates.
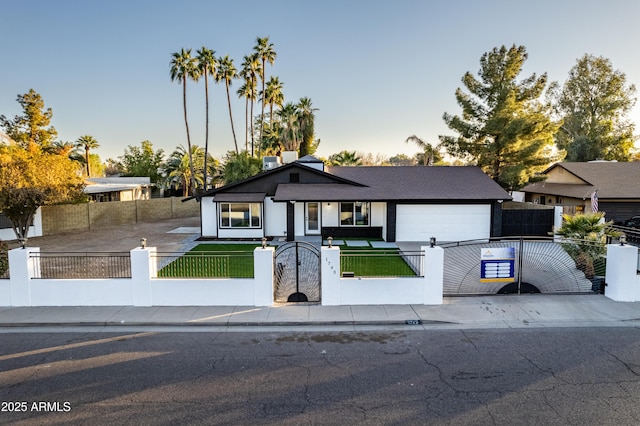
(206, 137)
(186, 123)
(233, 131)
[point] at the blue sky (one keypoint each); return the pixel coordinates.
(378, 71)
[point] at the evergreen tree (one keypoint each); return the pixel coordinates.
(504, 127)
(34, 126)
(593, 103)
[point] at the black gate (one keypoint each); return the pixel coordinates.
(297, 270)
(528, 222)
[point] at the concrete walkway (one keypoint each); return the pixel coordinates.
(526, 311)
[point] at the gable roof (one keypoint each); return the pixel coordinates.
(287, 168)
(610, 179)
(367, 183)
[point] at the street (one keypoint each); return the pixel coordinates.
(559, 376)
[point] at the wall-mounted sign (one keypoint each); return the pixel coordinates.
(497, 264)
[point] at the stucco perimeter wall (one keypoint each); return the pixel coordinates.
(81, 217)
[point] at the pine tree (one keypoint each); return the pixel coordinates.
(504, 128)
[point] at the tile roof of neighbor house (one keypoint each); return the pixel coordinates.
(409, 183)
(610, 179)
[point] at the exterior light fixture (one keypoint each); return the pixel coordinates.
(330, 241)
(264, 242)
(143, 243)
(623, 239)
(432, 242)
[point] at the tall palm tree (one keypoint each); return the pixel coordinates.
(88, 143)
(266, 53)
(227, 72)
(250, 70)
(307, 118)
(207, 66)
(273, 95)
(184, 66)
(430, 154)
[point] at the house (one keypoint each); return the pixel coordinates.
(118, 188)
(572, 185)
(303, 198)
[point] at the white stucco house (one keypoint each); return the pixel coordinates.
(305, 198)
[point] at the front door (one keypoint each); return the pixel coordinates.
(312, 218)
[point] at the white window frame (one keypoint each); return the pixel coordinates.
(354, 213)
(254, 210)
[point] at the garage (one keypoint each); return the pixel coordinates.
(446, 222)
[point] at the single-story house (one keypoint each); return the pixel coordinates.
(573, 185)
(118, 188)
(303, 198)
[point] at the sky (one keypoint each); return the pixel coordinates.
(377, 71)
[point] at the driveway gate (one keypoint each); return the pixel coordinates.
(297, 270)
(541, 265)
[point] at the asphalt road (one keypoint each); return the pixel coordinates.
(557, 376)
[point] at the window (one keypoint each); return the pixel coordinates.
(354, 214)
(240, 215)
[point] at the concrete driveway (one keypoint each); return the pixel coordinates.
(167, 235)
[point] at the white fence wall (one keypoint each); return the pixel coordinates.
(21, 289)
(426, 290)
(623, 279)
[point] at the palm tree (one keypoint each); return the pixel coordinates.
(290, 126)
(183, 66)
(345, 158)
(180, 164)
(88, 143)
(266, 53)
(227, 72)
(273, 95)
(206, 65)
(250, 70)
(305, 112)
(430, 153)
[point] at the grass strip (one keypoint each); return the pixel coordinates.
(212, 261)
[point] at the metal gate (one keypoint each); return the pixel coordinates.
(297, 272)
(542, 265)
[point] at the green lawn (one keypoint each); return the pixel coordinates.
(212, 261)
(371, 262)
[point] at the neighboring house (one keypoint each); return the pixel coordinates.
(118, 188)
(394, 203)
(572, 185)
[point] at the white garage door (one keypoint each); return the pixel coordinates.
(445, 222)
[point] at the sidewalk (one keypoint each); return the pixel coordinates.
(525, 311)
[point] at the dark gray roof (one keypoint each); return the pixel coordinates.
(611, 179)
(410, 183)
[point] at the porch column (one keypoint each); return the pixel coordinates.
(291, 221)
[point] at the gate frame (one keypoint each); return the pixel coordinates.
(313, 249)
